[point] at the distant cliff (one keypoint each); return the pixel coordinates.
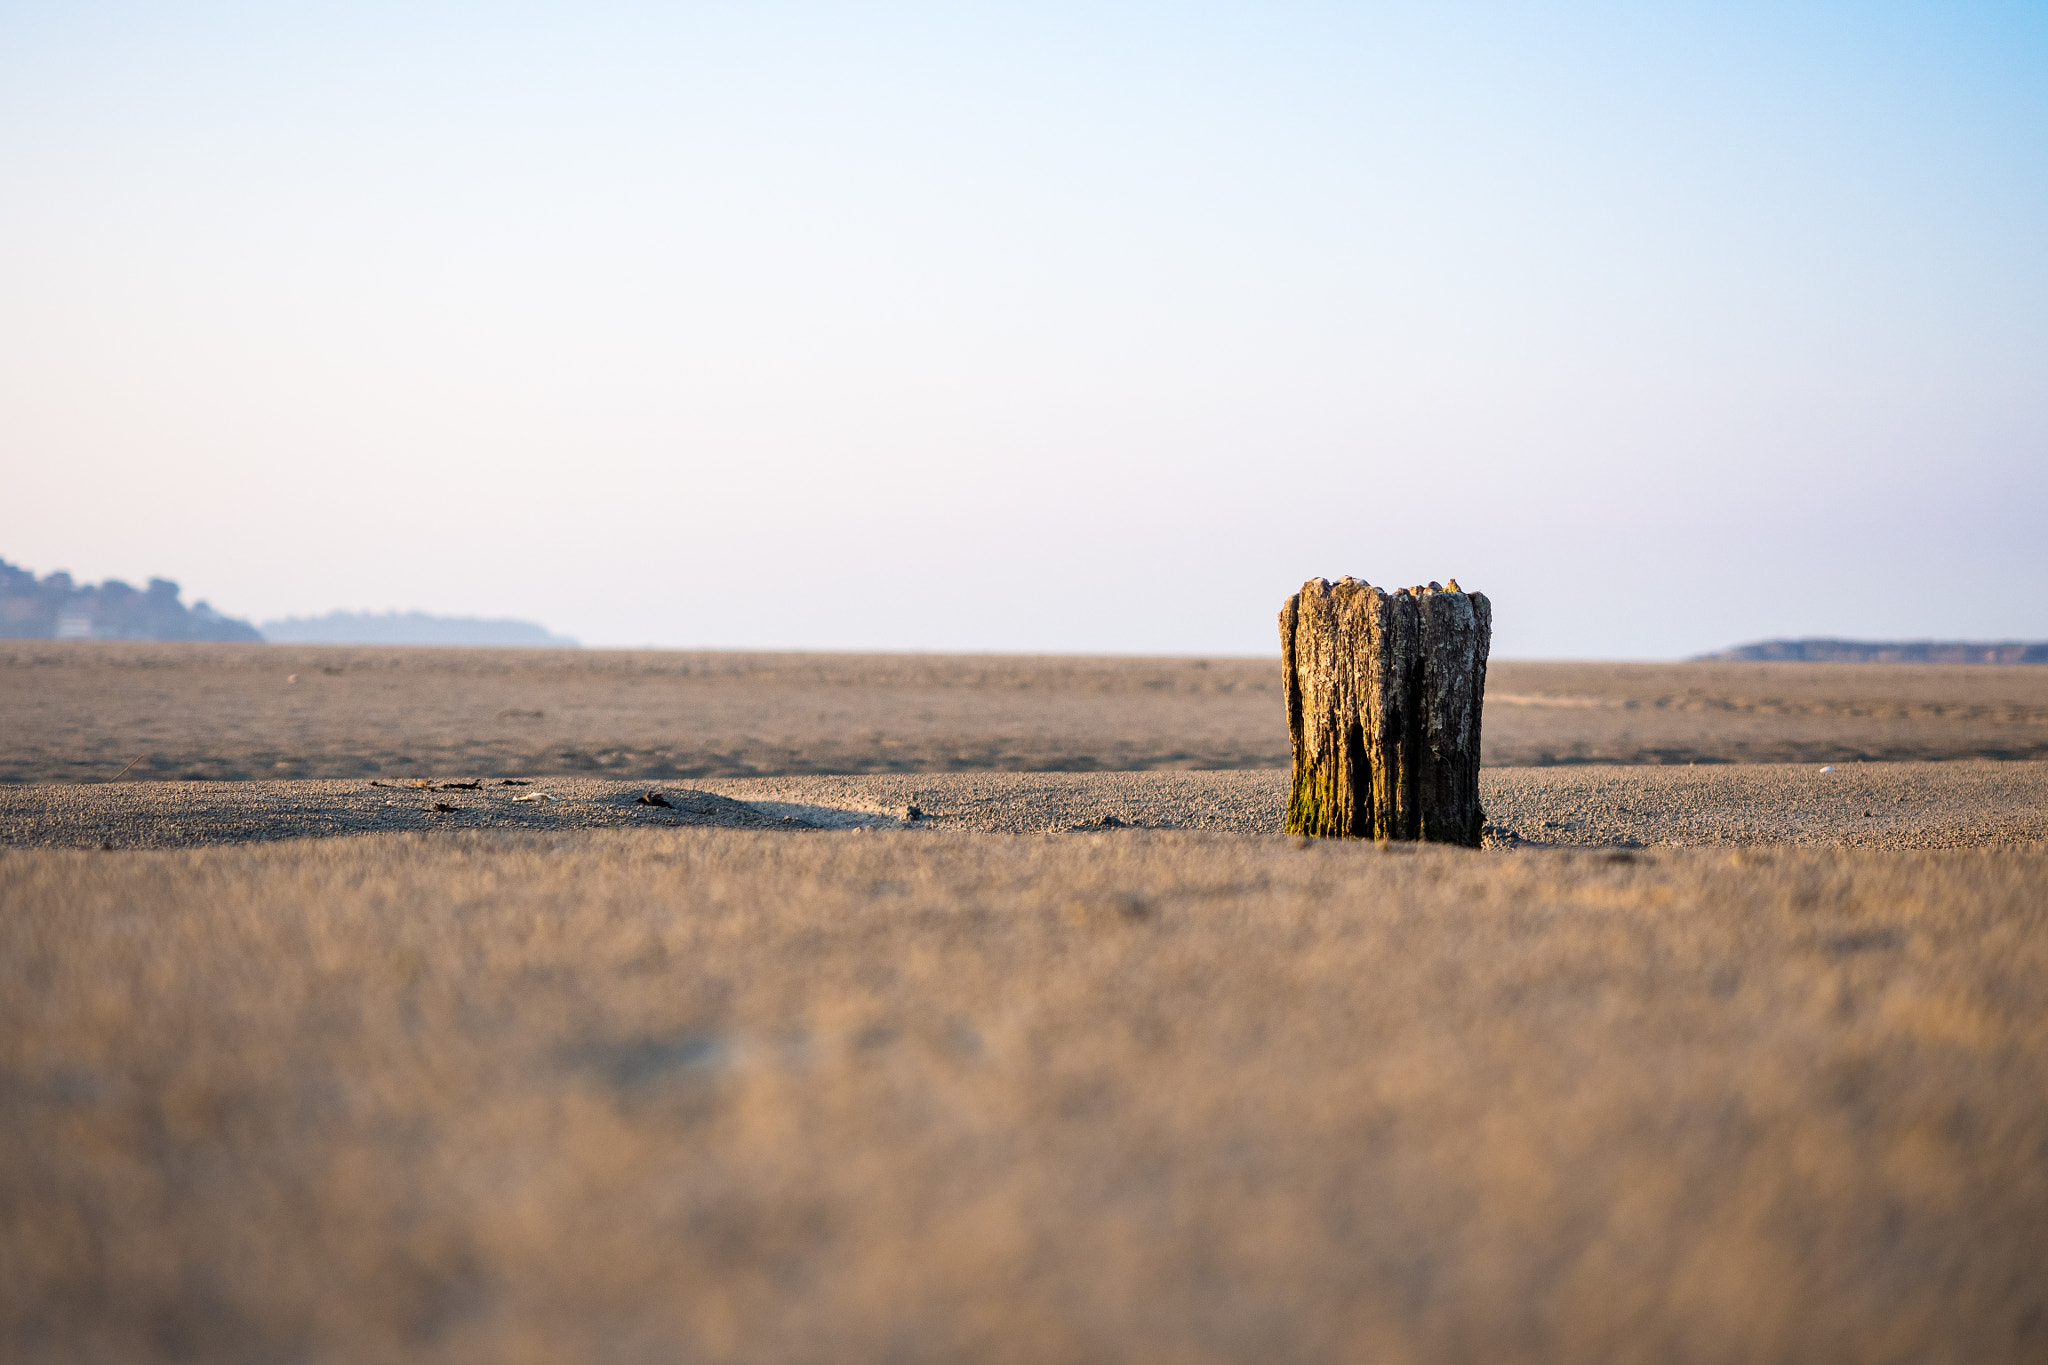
(54, 608)
(1890, 652)
(409, 628)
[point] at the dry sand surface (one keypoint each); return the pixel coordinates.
(85, 710)
(737, 1095)
(1865, 805)
(437, 1044)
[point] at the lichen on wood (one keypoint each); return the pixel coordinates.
(1383, 694)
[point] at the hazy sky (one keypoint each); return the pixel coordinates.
(1035, 327)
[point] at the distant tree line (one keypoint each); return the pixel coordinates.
(54, 608)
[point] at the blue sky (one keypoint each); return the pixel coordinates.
(1045, 327)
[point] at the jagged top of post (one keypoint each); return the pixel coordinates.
(1349, 584)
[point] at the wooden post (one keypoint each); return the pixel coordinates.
(1383, 698)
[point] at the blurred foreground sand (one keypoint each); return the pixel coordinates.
(722, 1095)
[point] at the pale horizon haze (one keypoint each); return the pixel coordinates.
(1089, 328)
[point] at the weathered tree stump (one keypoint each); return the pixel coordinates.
(1383, 697)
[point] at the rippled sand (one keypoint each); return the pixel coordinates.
(87, 711)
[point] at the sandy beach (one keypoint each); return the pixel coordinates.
(91, 711)
(383, 1019)
(741, 1095)
(1863, 805)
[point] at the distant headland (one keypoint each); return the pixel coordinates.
(53, 607)
(1888, 652)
